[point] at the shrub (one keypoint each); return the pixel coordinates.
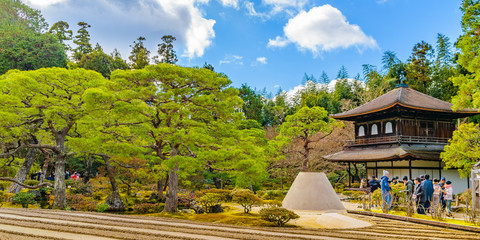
(186, 200)
(355, 185)
(277, 215)
(275, 194)
(24, 198)
(102, 207)
(82, 188)
(31, 182)
(99, 195)
(144, 208)
(81, 203)
(246, 199)
(225, 194)
(69, 182)
(354, 194)
(209, 200)
(4, 185)
(5, 197)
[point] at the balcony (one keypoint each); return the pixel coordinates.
(397, 139)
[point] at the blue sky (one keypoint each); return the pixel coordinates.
(265, 43)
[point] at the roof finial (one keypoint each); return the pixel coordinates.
(402, 82)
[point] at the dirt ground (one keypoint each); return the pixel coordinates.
(51, 224)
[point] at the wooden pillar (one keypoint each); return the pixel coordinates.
(349, 182)
(440, 169)
(376, 169)
(410, 168)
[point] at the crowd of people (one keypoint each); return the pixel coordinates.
(428, 195)
(37, 176)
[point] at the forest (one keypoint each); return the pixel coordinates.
(145, 125)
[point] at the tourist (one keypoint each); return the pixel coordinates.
(442, 195)
(428, 185)
(436, 194)
(394, 181)
(374, 185)
(363, 183)
(419, 196)
(408, 187)
(75, 176)
(67, 175)
(39, 174)
(449, 197)
(386, 196)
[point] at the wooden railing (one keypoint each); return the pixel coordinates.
(397, 139)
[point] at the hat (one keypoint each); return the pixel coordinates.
(443, 178)
(405, 178)
(385, 172)
(373, 176)
(448, 182)
(422, 177)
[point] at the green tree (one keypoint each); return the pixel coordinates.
(418, 69)
(82, 40)
(99, 61)
(303, 125)
(324, 78)
(464, 149)
(468, 83)
(139, 56)
(52, 98)
(189, 110)
(165, 50)
(118, 62)
(23, 43)
(61, 31)
(443, 69)
(342, 73)
(31, 51)
(252, 103)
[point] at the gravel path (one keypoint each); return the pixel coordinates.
(52, 224)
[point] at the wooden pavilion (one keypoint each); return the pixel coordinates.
(404, 132)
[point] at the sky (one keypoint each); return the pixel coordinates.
(266, 44)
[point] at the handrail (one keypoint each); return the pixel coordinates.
(397, 139)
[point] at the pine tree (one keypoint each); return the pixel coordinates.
(139, 56)
(82, 40)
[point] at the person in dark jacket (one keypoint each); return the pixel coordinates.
(386, 196)
(419, 195)
(374, 184)
(428, 192)
(409, 186)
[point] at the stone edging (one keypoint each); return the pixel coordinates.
(416, 220)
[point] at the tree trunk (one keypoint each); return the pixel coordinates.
(172, 201)
(60, 200)
(45, 166)
(88, 168)
(23, 171)
(161, 197)
(114, 200)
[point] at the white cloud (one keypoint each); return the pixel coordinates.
(42, 3)
(277, 42)
(119, 22)
(230, 3)
(281, 5)
(262, 60)
(232, 59)
(323, 28)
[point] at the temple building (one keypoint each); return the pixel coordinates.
(404, 132)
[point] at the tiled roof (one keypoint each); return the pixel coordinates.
(405, 97)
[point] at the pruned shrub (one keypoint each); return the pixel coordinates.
(274, 194)
(4, 185)
(144, 208)
(31, 182)
(272, 203)
(277, 215)
(82, 188)
(81, 203)
(209, 200)
(246, 199)
(102, 207)
(225, 194)
(5, 197)
(24, 198)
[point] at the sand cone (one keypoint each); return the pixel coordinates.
(312, 191)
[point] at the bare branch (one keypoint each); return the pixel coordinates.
(45, 184)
